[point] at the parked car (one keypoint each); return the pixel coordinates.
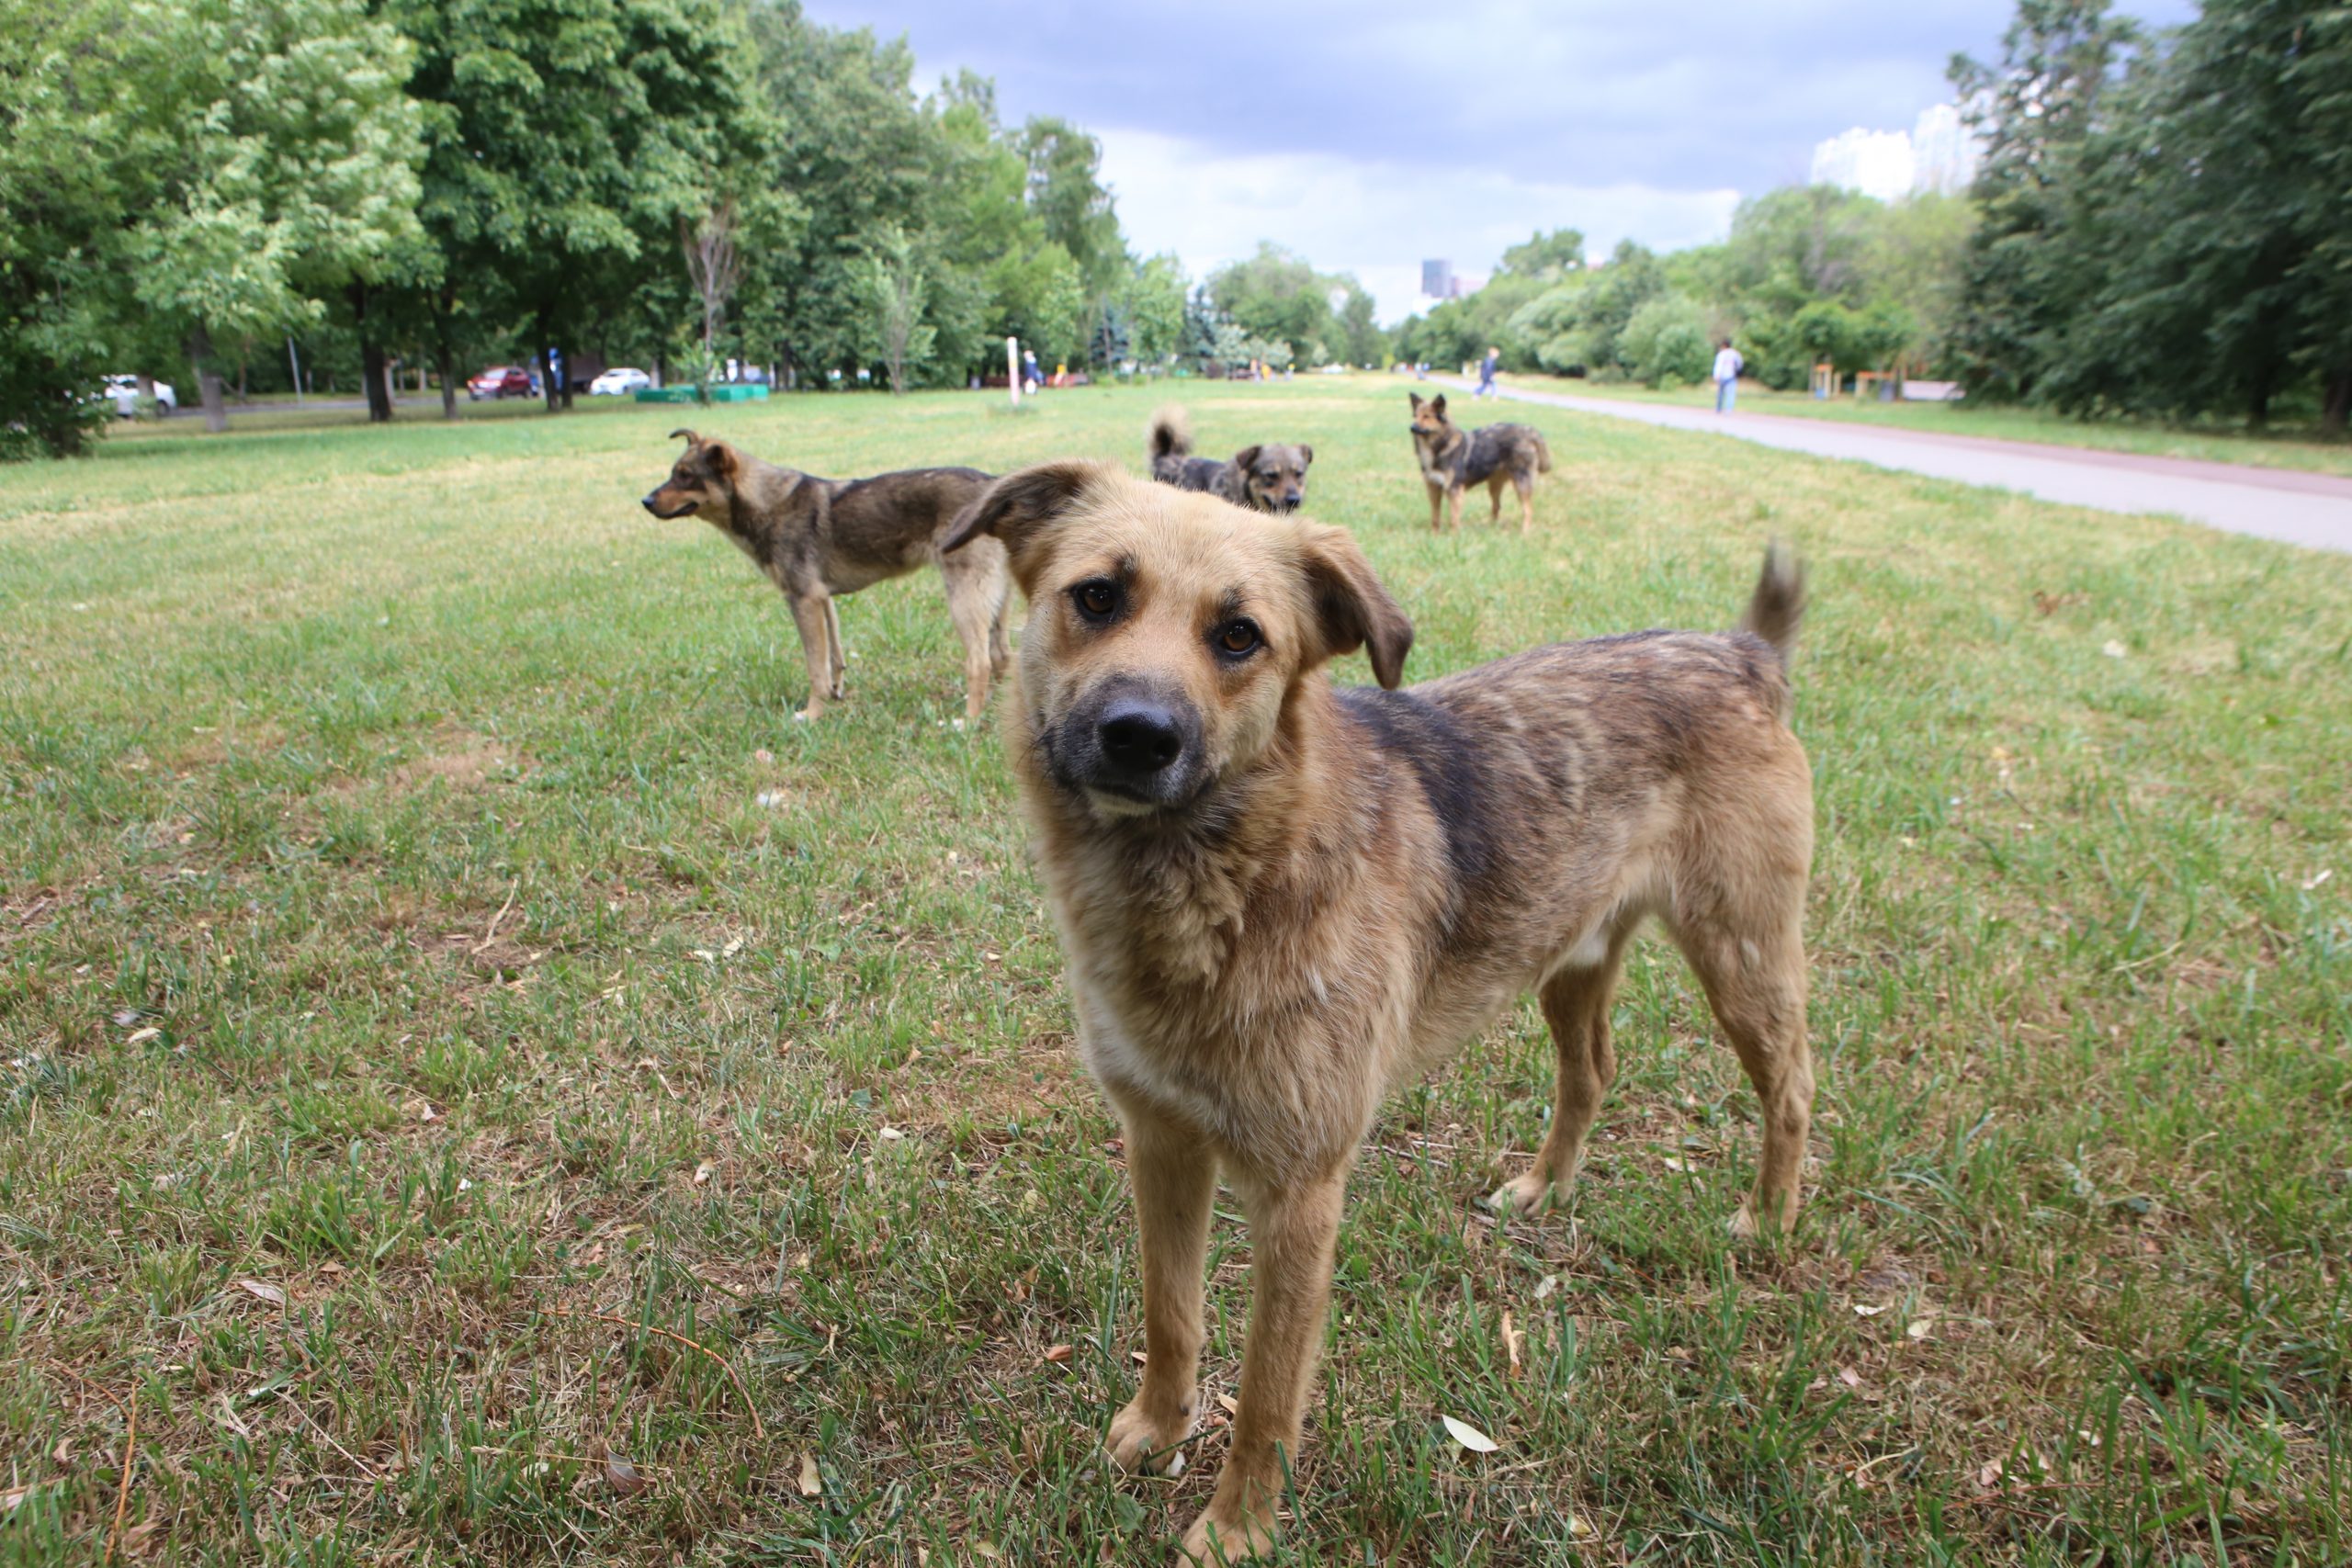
(123, 392)
(618, 382)
(503, 381)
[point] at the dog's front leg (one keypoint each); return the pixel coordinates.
(1293, 1228)
(1175, 1181)
(840, 661)
(812, 613)
(1437, 504)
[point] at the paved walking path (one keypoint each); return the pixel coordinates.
(2298, 507)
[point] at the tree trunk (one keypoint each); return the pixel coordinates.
(207, 383)
(2338, 407)
(372, 369)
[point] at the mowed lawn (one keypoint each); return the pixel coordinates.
(479, 1084)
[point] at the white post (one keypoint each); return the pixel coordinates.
(1013, 368)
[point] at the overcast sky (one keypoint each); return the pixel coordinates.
(1367, 134)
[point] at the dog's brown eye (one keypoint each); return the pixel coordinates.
(1239, 637)
(1097, 600)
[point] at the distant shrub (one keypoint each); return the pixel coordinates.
(1665, 342)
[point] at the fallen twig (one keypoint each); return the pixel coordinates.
(759, 1429)
(129, 1457)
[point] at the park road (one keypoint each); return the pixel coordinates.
(2313, 510)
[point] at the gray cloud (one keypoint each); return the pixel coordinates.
(1360, 133)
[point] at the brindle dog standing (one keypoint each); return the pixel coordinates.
(816, 538)
(1269, 477)
(1279, 900)
(1452, 459)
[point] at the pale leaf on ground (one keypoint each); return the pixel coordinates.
(1469, 1437)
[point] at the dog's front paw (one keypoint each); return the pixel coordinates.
(1224, 1534)
(1521, 1194)
(1139, 1442)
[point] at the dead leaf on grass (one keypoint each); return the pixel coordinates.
(1469, 1437)
(622, 1476)
(262, 1290)
(811, 1484)
(1058, 1353)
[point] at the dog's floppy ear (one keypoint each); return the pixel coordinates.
(1352, 608)
(1247, 457)
(688, 436)
(1306, 454)
(1018, 508)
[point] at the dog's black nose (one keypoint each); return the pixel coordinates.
(1139, 738)
(648, 504)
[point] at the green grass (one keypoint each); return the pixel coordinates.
(415, 900)
(2283, 446)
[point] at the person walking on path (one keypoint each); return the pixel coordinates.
(1728, 365)
(1486, 368)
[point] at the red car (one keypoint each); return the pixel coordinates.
(501, 382)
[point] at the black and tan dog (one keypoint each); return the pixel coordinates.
(819, 538)
(1269, 477)
(1279, 900)
(1452, 459)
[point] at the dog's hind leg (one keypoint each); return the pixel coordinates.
(1524, 482)
(812, 614)
(1293, 1225)
(1751, 961)
(1576, 1005)
(972, 605)
(1001, 597)
(1495, 496)
(1175, 1182)
(834, 649)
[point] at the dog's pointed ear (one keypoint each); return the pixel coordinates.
(1019, 508)
(1417, 401)
(721, 457)
(1352, 608)
(1247, 457)
(688, 436)
(1437, 405)
(1306, 456)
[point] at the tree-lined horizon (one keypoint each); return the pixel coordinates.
(212, 191)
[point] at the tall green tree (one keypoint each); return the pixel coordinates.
(2037, 108)
(569, 141)
(276, 154)
(62, 200)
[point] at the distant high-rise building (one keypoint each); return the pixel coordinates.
(1876, 163)
(1938, 154)
(1944, 150)
(1437, 279)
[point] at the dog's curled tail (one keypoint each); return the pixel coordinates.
(1542, 454)
(1777, 607)
(1171, 434)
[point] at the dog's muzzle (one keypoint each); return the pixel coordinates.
(1131, 743)
(655, 507)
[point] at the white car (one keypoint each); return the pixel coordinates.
(123, 392)
(618, 382)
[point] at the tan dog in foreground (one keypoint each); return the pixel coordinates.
(1279, 900)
